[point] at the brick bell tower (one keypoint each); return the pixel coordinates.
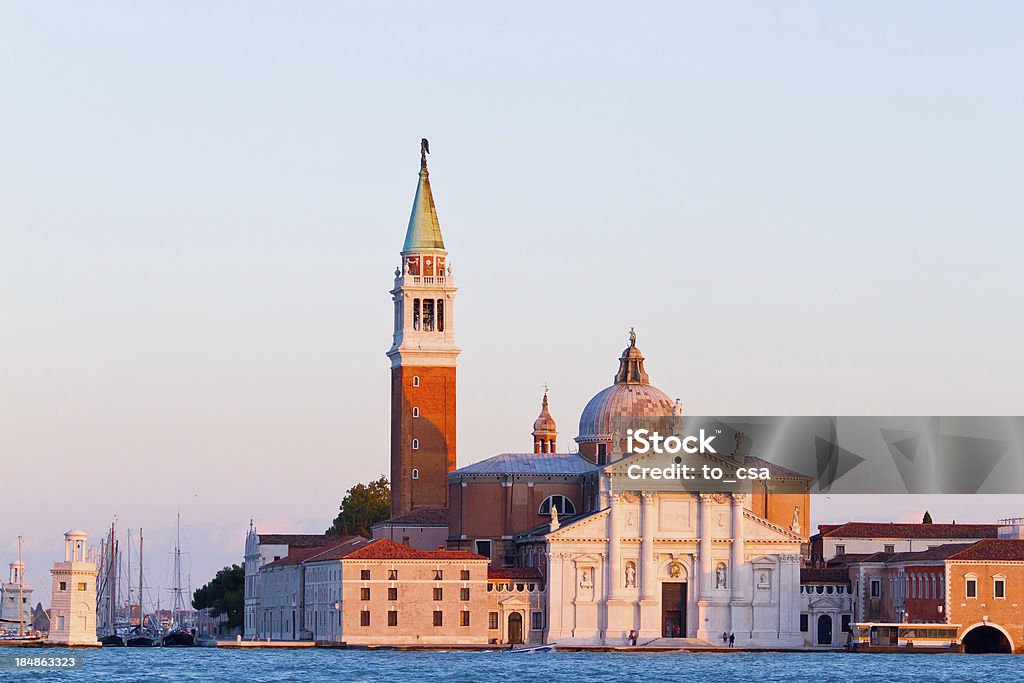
(422, 354)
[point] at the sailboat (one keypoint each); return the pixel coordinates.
(139, 637)
(24, 635)
(180, 635)
(107, 591)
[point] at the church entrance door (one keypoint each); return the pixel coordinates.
(673, 609)
(515, 628)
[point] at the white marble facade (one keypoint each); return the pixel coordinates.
(674, 564)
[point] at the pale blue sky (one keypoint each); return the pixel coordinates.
(804, 208)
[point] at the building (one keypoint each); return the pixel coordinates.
(423, 354)
(826, 606)
(866, 538)
(423, 528)
(260, 550)
(73, 609)
(619, 557)
(986, 595)
(16, 599)
(361, 592)
(517, 606)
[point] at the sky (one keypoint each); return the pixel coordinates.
(803, 208)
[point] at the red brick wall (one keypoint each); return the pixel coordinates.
(434, 429)
(1006, 612)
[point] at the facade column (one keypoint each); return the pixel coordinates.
(741, 611)
(555, 598)
(650, 605)
(614, 604)
(707, 570)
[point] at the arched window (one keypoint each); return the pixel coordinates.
(415, 473)
(416, 380)
(561, 503)
(415, 444)
(415, 412)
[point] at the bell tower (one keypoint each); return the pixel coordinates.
(423, 353)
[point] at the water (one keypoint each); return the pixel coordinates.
(202, 664)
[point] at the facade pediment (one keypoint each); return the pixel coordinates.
(591, 528)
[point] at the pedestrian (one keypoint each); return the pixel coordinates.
(732, 639)
(725, 637)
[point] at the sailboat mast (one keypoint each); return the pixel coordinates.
(140, 581)
(21, 588)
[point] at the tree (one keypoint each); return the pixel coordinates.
(225, 594)
(363, 506)
(927, 519)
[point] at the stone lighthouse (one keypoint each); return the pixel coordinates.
(73, 608)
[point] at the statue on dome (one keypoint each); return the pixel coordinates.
(632, 336)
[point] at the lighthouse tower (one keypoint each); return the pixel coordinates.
(73, 605)
(422, 354)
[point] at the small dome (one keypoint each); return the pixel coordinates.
(632, 396)
(75, 532)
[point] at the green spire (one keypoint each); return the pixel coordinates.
(424, 232)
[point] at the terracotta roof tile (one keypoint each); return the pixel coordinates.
(514, 574)
(992, 549)
(295, 540)
(386, 549)
(420, 517)
(893, 530)
(297, 555)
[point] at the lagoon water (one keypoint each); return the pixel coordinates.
(200, 664)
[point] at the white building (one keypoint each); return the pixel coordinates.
(866, 538)
(826, 607)
(673, 565)
(73, 606)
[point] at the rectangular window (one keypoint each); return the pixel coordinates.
(463, 594)
(890, 548)
(364, 618)
(392, 618)
(1000, 589)
(876, 588)
(972, 588)
(464, 618)
(846, 619)
(440, 315)
(415, 314)
(392, 575)
(438, 575)
(840, 550)
(364, 574)
(492, 621)
(63, 585)
(537, 620)
(465, 575)
(803, 623)
(428, 315)
(438, 618)
(438, 593)
(602, 454)
(81, 586)
(392, 594)
(483, 548)
(364, 593)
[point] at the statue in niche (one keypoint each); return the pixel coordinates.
(720, 578)
(795, 526)
(586, 579)
(630, 575)
(763, 582)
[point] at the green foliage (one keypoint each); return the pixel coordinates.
(363, 506)
(927, 519)
(225, 594)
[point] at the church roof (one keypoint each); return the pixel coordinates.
(991, 549)
(529, 463)
(424, 231)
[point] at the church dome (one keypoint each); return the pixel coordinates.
(631, 396)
